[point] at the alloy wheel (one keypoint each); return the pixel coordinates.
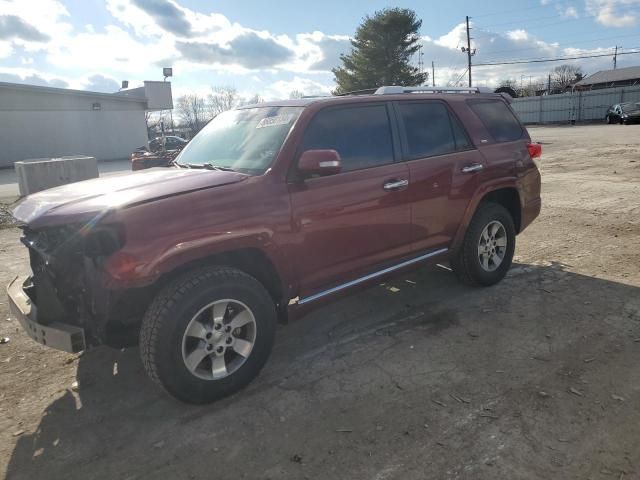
(219, 339)
(492, 246)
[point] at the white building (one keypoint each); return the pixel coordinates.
(45, 122)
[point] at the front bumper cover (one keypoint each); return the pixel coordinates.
(60, 336)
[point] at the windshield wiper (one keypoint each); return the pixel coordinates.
(211, 166)
(175, 163)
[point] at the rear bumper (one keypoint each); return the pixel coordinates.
(60, 336)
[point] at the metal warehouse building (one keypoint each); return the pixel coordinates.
(45, 122)
(621, 77)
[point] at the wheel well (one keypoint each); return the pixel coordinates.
(250, 260)
(509, 199)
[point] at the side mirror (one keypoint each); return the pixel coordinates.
(319, 162)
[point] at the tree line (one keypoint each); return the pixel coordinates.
(557, 80)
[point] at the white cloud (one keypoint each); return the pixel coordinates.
(614, 13)
(147, 34)
(570, 12)
(518, 35)
(282, 88)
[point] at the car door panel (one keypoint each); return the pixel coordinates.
(440, 193)
(438, 150)
(349, 223)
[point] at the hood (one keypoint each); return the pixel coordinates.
(84, 201)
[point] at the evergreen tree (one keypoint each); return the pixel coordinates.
(381, 52)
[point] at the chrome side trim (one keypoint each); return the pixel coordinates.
(379, 273)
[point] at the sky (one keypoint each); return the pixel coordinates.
(273, 47)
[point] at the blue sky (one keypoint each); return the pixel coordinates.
(274, 47)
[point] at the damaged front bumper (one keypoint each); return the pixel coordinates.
(58, 335)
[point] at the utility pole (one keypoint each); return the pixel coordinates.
(615, 58)
(469, 50)
(433, 74)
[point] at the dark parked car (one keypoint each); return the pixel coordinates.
(269, 211)
(159, 153)
(623, 113)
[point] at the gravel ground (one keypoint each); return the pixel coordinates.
(534, 378)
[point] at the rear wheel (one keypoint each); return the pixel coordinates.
(208, 334)
(608, 120)
(488, 246)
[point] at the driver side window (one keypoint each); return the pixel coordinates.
(360, 134)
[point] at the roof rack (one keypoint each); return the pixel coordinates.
(366, 91)
(393, 90)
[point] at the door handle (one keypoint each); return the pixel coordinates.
(474, 167)
(392, 185)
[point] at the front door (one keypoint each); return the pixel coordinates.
(350, 223)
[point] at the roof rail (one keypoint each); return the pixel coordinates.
(393, 90)
(365, 91)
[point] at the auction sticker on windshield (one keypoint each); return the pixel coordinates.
(275, 121)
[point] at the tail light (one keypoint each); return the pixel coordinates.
(535, 150)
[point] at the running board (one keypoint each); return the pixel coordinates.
(366, 278)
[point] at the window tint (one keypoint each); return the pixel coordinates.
(430, 130)
(360, 134)
(496, 116)
(462, 141)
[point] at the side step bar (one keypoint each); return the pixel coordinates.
(371, 276)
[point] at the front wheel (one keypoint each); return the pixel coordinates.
(208, 334)
(488, 246)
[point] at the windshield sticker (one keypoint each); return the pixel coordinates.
(275, 121)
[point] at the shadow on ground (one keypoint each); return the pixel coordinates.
(424, 340)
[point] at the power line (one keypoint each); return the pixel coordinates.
(585, 54)
(506, 12)
(513, 22)
(543, 60)
(559, 46)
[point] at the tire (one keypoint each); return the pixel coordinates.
(466, 262)
(609, 122)
(194, 317)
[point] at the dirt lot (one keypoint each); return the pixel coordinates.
(535, 378)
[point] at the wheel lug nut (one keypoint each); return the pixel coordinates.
(208, 335)
(217, 326)
(220, 349)
(209, 347)
(229, 340)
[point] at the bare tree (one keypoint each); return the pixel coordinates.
(192, 110)
(221, 99)
(256, 98)
(296, 94)
(152, 119)
(566, 75)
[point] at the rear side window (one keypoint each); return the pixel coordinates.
(498, 118)
(430, 129)
(360, 134)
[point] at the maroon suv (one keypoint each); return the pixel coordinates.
(269, 211)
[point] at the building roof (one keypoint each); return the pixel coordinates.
(610, 76)
(68, 91)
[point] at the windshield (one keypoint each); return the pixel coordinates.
(245, 140)
(630, 107)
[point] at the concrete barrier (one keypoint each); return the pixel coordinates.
(42, 173)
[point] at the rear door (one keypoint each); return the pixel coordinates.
(506, 153)
(443, 170)
(350, 223)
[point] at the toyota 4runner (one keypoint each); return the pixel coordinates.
(270, 210)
